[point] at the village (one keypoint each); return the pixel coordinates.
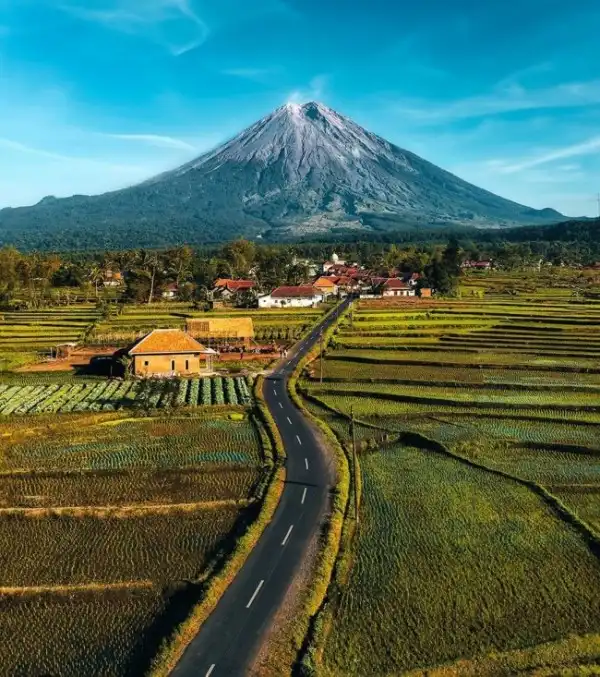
(335, 278)
(200, 346)
(235, 322)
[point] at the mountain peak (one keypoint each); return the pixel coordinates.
(302, 169)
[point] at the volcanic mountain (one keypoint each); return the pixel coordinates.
(303, 169)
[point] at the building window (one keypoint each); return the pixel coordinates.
(187, 365)
(146, 363)
(172, 365)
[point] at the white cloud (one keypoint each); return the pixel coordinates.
(154, 140)
(19, 147)
(587, 147)
(171, 23)
(314, 92)
(506, 97)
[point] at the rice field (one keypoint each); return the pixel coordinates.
(109, 523)
(461, 563)
(44, 329)
(74, 633)
(451, 563)
(136, 320)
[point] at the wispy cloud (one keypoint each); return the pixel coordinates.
(19, 147)
(587, 147)
(250, 73)
(171, 23)
(154, 140)
(314, 92)
(507, 97)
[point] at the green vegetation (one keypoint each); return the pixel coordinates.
(38, 397)
(115, 525)
(479, 529)
(472, 563)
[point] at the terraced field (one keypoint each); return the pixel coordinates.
(25, 334)
(110, 524)
(478, 429)
(136, 320)
(453, 562)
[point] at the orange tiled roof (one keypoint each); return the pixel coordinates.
(166, 341)
(324, 282)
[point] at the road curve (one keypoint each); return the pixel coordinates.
(230, 638)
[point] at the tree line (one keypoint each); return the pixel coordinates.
(34, 278)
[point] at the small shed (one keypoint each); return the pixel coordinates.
(169, 352)
(221, 329)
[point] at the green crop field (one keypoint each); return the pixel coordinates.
(453, 562)
(460, 563)
(106, 520)
(41, 396)
(134, 321)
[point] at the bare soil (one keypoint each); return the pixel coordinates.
(77, 359)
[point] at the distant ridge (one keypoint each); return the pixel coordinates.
(303, 170)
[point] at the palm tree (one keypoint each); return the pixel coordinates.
(95, 276)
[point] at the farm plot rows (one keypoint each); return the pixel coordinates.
(512, 386)
(40, 330)
(123, 443)
(114, 395)
(107, 518)
(457, 563)
(134, 321)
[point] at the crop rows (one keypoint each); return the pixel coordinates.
(114, 395)
(77, 633)
(141, 443)
(152, 487)
(157, 547)
(457, 563)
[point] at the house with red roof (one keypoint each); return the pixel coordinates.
(170, 292)
(394, 287)
(225, 289)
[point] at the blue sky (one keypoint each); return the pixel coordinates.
(100, 94)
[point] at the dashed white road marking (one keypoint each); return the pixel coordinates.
(289, 420)
(281, 405)
(210, 670)
(289, 531)
(258, 587)
(298, 438)
(274, 392)
(303, 496)
(306, 463)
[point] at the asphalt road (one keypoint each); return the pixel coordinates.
(230, 638)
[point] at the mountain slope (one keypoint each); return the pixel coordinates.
(301, 170)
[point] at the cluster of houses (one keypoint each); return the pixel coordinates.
(336, 278)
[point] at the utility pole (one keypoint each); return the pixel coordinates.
(355, 464)
(322, 356)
